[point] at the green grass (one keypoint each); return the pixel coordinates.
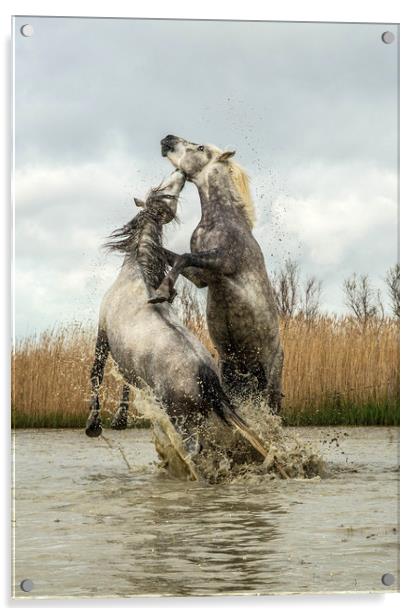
(63, 420)
(346, 414)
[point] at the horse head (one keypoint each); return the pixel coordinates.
(163, 199)
(201, 162)
(192, 158)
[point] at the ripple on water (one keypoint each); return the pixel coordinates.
(153, 535)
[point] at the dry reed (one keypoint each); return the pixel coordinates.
(335, 372)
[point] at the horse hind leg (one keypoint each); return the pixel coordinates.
(230, 378)
(274, 400)
(119, 421)
(274, 393)
(94, 427)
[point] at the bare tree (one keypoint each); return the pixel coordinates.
(361, 298)
(189, 307)
(285, 284)
(311, 298)
(380, 305)
(392, 279)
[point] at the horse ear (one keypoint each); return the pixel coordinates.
(138, 202)
(226, 155)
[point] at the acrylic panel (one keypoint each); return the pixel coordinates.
(205, 392)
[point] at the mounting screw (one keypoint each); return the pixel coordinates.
(26, 585)
(27, 30)
(388, 579)
(388, 37)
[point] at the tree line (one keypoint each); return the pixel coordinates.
(363, 300)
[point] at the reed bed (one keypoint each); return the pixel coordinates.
(335, 372)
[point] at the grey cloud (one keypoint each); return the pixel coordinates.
(282, 89)
(310, 108)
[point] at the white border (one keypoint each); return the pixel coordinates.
(299, 10)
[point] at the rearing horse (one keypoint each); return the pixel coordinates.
(148, 343)
(242, 316)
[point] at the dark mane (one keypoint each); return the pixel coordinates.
(141, 239)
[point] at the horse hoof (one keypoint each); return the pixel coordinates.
(158, 299)
(93, 431)
(172, 296)
(94, 427)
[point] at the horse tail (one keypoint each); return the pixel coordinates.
(234, 419)
(212, 391)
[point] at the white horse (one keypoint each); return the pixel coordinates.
(149, 344)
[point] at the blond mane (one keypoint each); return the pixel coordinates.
(241, 182)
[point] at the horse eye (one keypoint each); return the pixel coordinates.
(201, 148)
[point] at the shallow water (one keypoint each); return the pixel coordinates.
(86, 525)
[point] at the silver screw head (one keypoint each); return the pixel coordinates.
(26, 585)
(388, 37)
(388, 579)
(27, 30)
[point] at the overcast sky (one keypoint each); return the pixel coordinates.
(311, 110)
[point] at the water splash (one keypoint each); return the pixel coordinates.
(168, 442)
(225, 456)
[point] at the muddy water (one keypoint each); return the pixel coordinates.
(87, 525)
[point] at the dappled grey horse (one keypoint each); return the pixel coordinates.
(148, 342)
(242, 316)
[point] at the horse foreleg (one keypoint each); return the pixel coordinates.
(211, 260)
(193, 274)
(93, 426)
(119, 421)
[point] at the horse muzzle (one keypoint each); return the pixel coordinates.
(168, 144)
